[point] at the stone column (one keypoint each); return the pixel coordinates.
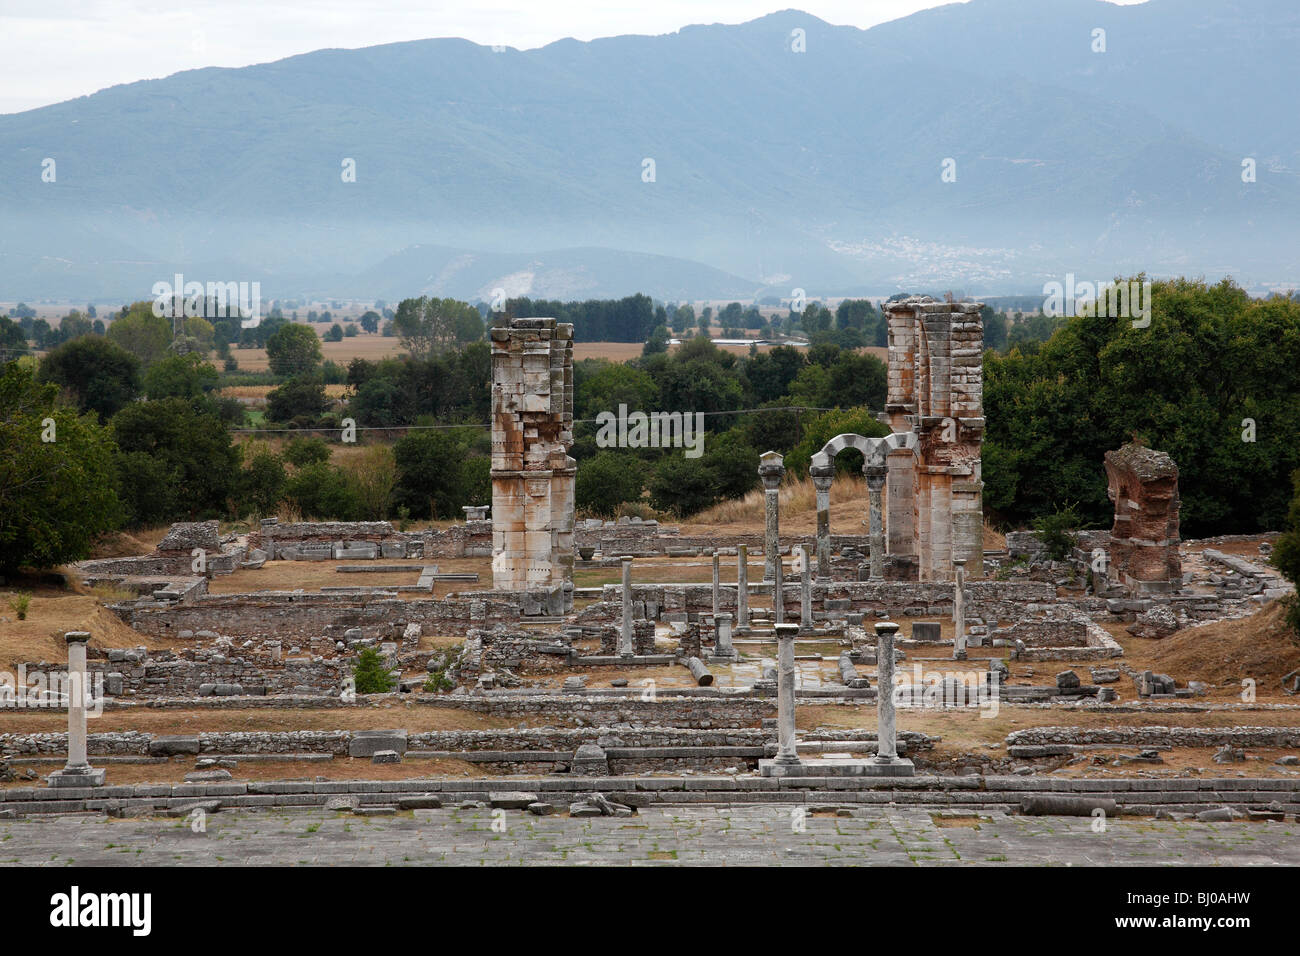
(886, 734)
(77, 772)
(875, 484)
(771, 469)
(786, 753)
(778, 592)
(625, 647)
(742, 586)
(722, 647)
(805, 592)
(959, 609)
(821, 479)
(717, 585)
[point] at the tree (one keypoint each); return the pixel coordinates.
(427, 325)
(432, 479)
(819, 429)
(371, 676)
(263, 479)
(374, 474)
(175, 461)
(73, 325)
(55, 496)
(658, 341)
(12, 338)
(1213, 380)
(323, 492)
(200, 329)
(606, 480)
(335, 333)
(143, 334)
(681, 485)
(293, 350)
(99, 374)
(300, 400)
(180, 376)
(302, 451)
(1286, 553)
(370, 321)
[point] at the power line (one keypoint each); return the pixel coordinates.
(581, 421)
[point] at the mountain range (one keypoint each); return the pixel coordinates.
(988, 146)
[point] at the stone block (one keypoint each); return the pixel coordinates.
(366, 743)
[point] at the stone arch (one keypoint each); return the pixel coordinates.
(875, 455)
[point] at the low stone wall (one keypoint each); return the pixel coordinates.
(970, 792)
(299, 615)
(990, 600)
(1280, 737)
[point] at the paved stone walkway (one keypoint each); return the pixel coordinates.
(693, 836)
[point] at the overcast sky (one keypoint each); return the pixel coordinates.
(54, 50)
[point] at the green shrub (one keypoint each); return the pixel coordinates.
(371, 673)
(19, 603)
(1058, 531)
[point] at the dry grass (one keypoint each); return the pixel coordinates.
(123, 544)
(258, 393)
(412, 718)
(1261, 647)
(52, 613)
(313, 575)
(797, 506)
(369, 347)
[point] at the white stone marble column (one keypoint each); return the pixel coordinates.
(959, 609)
(875, 485)
(771, 469)
(77, 772)
(886, 733)
(717, 585)
(805, 591)
(778, 592)
(625, 647)
(742, 586)
(821, 479)
(786, 752)
(722, 647)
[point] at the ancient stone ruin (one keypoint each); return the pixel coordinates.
(936, 389)
(532, 473)
(1143, 484)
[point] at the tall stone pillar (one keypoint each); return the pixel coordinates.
(875, 485)
(717, 585)
(821, 479)
(778, 592)
(936, 389)
(886, 732)
(771, 469)
(532, 473)
(786, 753)
(805, 591)
(959, 609)
(742, 586)
(625, 645)
(77, 772)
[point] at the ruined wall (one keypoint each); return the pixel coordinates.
(1143, 484)
(532, 473)
(283, 614)
(936, 389)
